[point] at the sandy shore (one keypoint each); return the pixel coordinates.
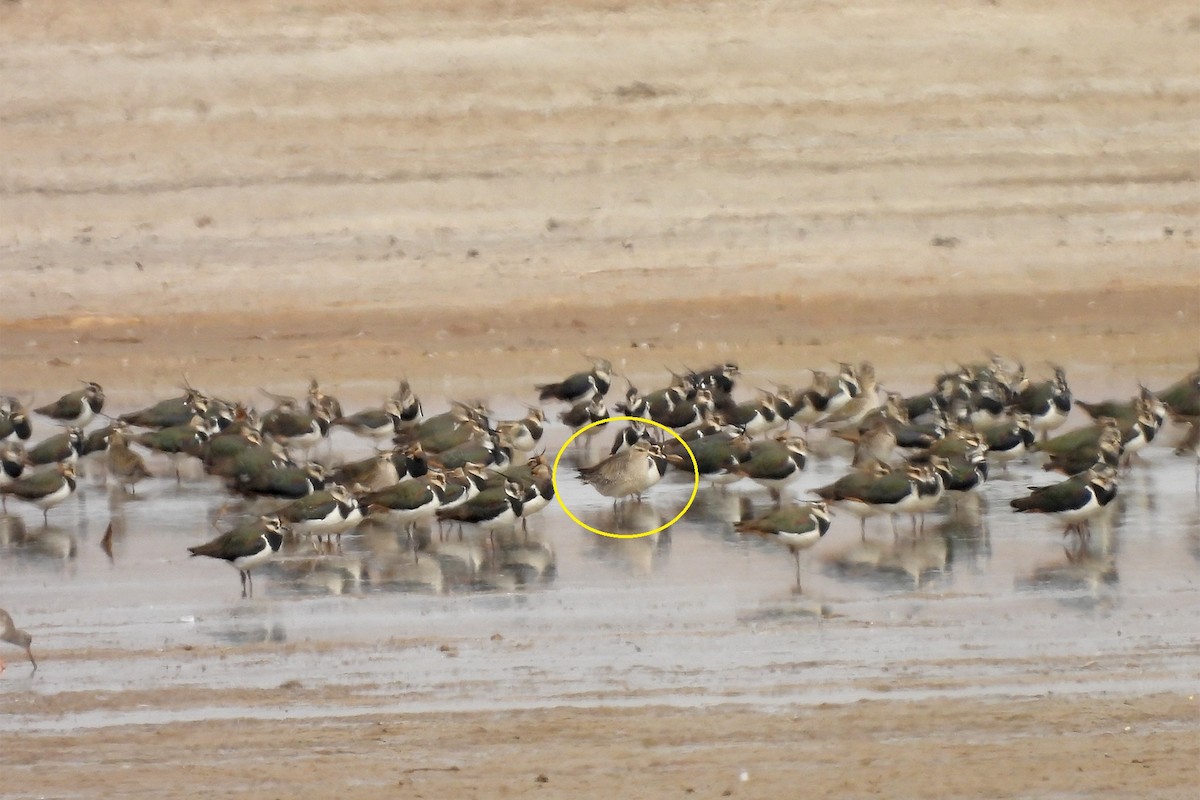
(473, 194)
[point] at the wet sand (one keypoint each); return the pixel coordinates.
(472, 195)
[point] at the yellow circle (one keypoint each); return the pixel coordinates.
(580, 523)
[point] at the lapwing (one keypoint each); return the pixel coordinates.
(124, 465)
(874, 440)
(329, 512)
(755, 417)
(290, 482)
(719, 378)
(442, 431)
(662, 402)
(628, 436)
(96, 440)
(775, 463)
(585, 412)
(493, 509)
(14, 420)
(872, 492)
(409, 404)
(805, 408)
(1182, 400)
(410, 501)
(536, 484)
(320, 404)
(1047, 403)
(524, 434)
(44, 489)
(177, 440)
(629, 473)
(798, 527)
(864, 400)
(463, 483)
(13, 463)
(852, 485)
(1074, 501)
(293, 427)
(374, 423)
(13, 635)
(65, 447)
(1076, 451)
(170, 412)
(1010, 441)
(223, 452)
(248, 545)
(582, 414)
(581, 385)
(689, 413)
(487, 451)
(410, 461)
(77, 408)
(718, 456)
(634, 404)
(374, 472)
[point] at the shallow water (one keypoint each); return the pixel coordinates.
(985, 602)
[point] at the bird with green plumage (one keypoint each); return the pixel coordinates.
(45, 489)
(249, 544)
(1074, 501)
(76, 408)
(775, 463)
(798, 526)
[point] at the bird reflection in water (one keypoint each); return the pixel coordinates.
(906, 561)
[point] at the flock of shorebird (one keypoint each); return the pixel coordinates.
(463, 467)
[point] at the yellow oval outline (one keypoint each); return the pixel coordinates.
(610, 534)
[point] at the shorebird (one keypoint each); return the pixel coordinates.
(13, 463)
(44, 489)
(755, 416)
(245, 547)
(281, 481)
(848, 486)
(329, 512)
(13, 635)
(77, 408)
(14, 420)
(581, 385)
(523, 434)
(628, 473)
(59, 448)
(1047, 403)
(374, 423)
(1008, 442)
(296, 428)
(171, 412)
(1074, 501)
(373, 472)
(410, 501)
(320, 404)
(123, 463)
(718, 456)
(775, 463)
(177, 440)
(797, 526)
(493, 509)
(1076, 451)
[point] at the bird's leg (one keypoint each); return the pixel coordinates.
(243, 574)
(796, 555)
(895, 530)
(862, 527)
